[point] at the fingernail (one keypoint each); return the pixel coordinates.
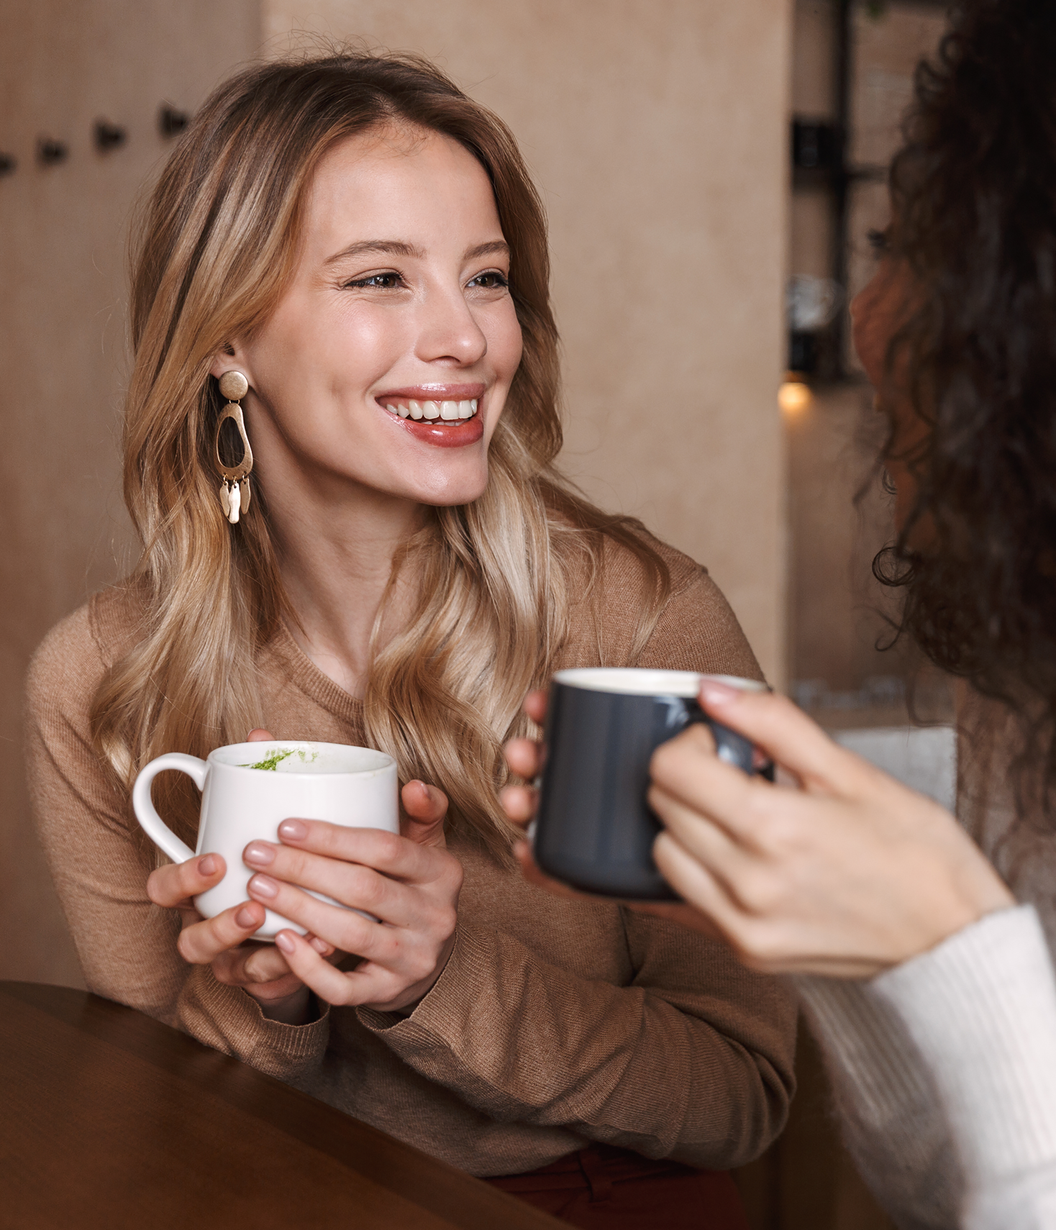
(259, 852)
(207, 865)
(246, 918)
(293, 830)
(285, 941)
(320, 946)
(263, 886)
(716, 693)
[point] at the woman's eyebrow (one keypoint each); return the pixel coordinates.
(497, 247)
(387, 247)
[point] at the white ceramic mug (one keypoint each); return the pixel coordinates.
(248, 789)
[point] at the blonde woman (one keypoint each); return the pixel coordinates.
(352, 251)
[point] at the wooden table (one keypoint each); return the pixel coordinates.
(110, 1120)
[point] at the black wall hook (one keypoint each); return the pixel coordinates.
(170, 121)
(108, 136)
(7, 164)
(50, 152)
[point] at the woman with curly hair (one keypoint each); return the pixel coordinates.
(930, 989)
(352, 250)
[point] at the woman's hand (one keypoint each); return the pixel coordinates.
(525, 758)
(845, 874)
(225, 943)
(409, 882)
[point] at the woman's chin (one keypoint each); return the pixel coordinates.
(462, 493)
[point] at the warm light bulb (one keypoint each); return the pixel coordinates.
(794, 397)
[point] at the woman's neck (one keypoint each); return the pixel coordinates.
(335, 552)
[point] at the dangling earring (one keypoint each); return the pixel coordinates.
(234, 491)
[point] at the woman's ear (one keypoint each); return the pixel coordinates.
(230, 356)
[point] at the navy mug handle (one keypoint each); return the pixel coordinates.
(730, 747)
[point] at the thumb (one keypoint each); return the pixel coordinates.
(423, 813)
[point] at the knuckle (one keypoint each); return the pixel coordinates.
(386, 991)
(451, 870)
(372, 894)
(759, 890)
(155, 888)
(787, 837)
(767, 820)
(419, 964)
(186, 947)
(341, 996)
(761, 947)
(224, 972)
(445, 921)
(256, 970)
(748, 939)
(165, 885)
(365, 887)
(320, 837)
(388, 845)
(766, 828)
(290, 864)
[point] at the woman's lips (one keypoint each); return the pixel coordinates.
(446, 435)
(447, 416)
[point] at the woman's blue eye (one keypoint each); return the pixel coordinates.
(880, 242)
(492, 280)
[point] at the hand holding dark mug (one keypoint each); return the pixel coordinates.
(594, 828)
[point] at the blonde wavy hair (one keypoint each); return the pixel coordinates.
(216, 248)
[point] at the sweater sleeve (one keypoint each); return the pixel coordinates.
(691, 1060)
(100, 861)
(945, 1068)
(886, 1102)
(981, 1011)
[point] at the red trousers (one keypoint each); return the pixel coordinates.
(604, 1188)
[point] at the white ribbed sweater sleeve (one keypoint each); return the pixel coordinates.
(945, 1076)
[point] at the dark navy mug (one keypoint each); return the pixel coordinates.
(594, 829)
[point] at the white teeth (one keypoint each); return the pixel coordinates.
(451, 411)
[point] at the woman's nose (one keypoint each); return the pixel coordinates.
(449, 331)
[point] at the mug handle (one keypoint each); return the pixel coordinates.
(731, 747)
(147, 814)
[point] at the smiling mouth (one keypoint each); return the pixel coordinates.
(430, 411)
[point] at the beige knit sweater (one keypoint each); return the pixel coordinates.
(555, 1022)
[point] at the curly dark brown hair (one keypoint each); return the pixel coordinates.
(973, 194)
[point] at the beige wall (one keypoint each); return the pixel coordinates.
(62, 330)
(656, 130)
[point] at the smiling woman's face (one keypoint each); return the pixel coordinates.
(387, 362)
